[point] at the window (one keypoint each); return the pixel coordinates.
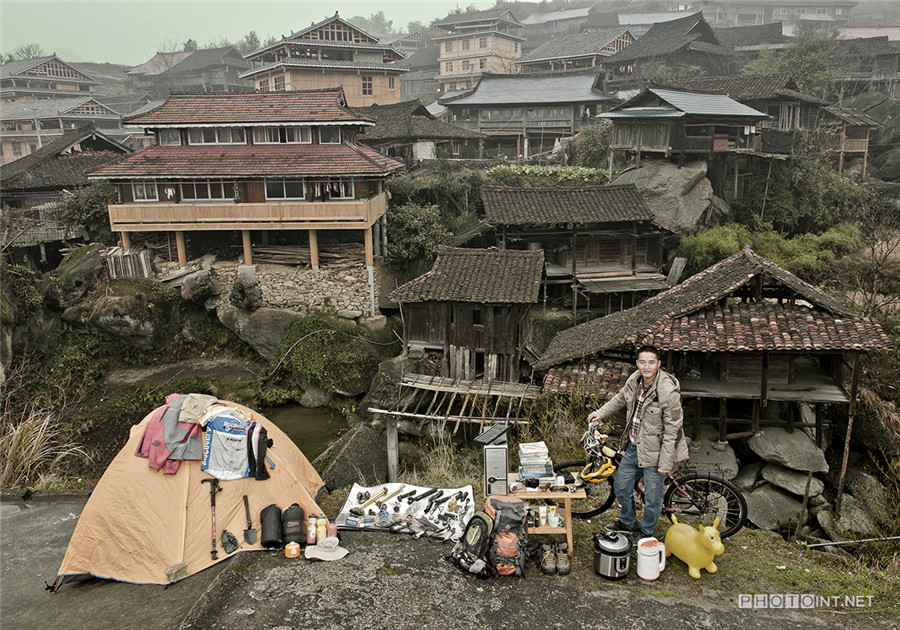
(516, 47)
(482, 63)
(335, 189)
(801, 10)
(329, 135)
(169, 137)
(207, 189)
(367, 85)
(465, 44)
(466, 66)
(144, 191)
(482, 42)
(17, 148)
(264, 85)
(821, 11)
(783, 11)
(32, 148)
(448, 46)
(390, 83)
(838, 11)
(282, 135)
(285, 189)
(454, 148)
(279, 84)
(448, 66)
(213, 135)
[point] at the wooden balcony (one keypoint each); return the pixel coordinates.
(346, 214)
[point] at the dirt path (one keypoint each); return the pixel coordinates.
(226, 369)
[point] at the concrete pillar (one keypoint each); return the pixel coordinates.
(182, 250)
(314, 249)
(376, 227)
(248, 250)
(126, 240)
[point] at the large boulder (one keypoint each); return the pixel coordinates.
(748, 476)
(680, 198)
(314, 396)
(875, 498)
(261, 329)
(854, 522)
(770, 508)
(361, 456)
(791, 480)
(794, 450)
(74, 278)
(246, 293)
(137, 311)
(707, 453)
(200, 286)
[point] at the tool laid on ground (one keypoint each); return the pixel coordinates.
(360, 509)
(381, 502)
(425, 494)
(406, 495)
(250, 532)
(213, 489)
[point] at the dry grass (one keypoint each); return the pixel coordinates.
(34, 450)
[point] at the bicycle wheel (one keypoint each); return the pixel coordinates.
(599, 495)
(700, 499)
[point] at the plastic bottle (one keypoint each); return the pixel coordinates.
(321, 527)
(311, 530)
(332, 529)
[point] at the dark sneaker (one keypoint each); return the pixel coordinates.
(563, 566)
(622, 528)
(548, 559)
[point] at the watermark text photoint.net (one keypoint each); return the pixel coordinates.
(803, 601)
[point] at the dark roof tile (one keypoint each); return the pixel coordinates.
(541, 206)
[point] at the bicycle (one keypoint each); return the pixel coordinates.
(692, 497)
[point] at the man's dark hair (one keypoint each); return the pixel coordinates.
(651, 349)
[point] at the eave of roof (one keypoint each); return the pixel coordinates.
(294, 62)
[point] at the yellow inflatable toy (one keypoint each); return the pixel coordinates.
(695, 547)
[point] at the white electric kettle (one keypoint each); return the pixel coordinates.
(651, 558)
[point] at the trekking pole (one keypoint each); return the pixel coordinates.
(213, 489)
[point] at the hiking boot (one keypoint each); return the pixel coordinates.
(622, 528)
(563, 566)
(548, 559)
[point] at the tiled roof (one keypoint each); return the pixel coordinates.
(159, 63)
(490, 276)
(660, 318)
(409, 121)
(541, 206)
(20, 66)
(422, 59)
(310, 106)
(281, 160)
(303, 62)
(755, 35)
(866, 46)
(473, 16)
(853, 116)
(528, 88)
(328, 20)
(664, 38)
(691, 103)
(47, 168)
(50, 108)
(556, 16)
(573, 45)
(750, 87)
(603, 379)
(209, 57)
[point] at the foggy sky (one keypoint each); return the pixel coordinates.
(131, 31)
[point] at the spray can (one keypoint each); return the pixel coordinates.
(311, 530)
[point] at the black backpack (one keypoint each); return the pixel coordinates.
(472, 551)
(293, 525)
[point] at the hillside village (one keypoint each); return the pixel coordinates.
(516, 199)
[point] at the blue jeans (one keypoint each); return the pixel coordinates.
(627, 477)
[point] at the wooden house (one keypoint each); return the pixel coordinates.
(525, 114)
(687, 45)
(477, 42)
(851, 133)
(576, 51)
(748, 340)
(207, 70)
(26, 125)
(31, 188)
(408, 132)
(867, 64)
(749, 41)
(473, 307)
(671, 122)
(329, 54)
(285, 162)
(42, 78)
(600, 243)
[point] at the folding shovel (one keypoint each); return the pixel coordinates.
(250, 532)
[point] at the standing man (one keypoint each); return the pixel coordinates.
(653, 440)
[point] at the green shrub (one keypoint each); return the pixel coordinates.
(542, 176)
(414, 233)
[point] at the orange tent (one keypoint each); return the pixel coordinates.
(139, 521)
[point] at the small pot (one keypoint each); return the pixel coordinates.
(612, 555)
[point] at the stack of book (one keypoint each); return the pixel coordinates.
(534, 461)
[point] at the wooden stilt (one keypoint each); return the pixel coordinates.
(851, 413)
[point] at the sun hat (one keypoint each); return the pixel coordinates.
(326, 549)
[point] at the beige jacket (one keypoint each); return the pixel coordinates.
(660, 437)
